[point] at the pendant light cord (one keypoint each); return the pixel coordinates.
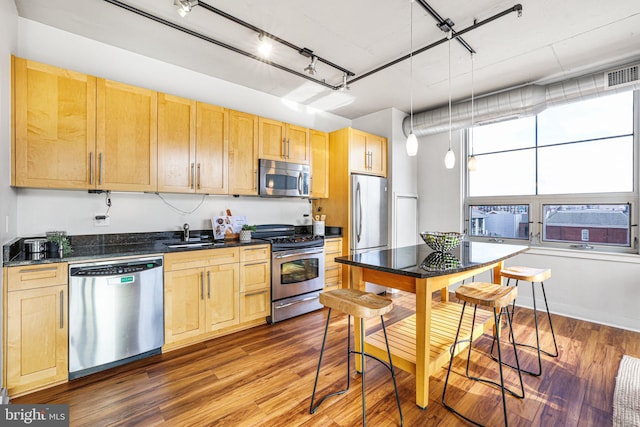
(411, 63)
(472, 109)
(449, 44)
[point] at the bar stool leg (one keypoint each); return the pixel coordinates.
(537, 347)
(313, 409)
(393, 373)
(364, 400)
(497, 314)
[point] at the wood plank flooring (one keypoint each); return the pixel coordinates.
(264, 377)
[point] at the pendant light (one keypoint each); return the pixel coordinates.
(412, 141)
(472, 162)
(450, 157)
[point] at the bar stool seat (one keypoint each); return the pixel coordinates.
(357, 303)
(533, 275)
(496, 297)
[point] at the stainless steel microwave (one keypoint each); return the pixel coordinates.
(283, 179)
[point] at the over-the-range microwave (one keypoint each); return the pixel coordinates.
(283, 179)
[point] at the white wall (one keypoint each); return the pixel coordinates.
(8, 211)
(73, 211)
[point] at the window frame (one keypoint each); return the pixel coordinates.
(536, 202)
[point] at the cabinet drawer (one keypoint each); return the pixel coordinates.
(333, 272)
(255, 276)
(203, 258)
(255, 305)
(36, 276)
(255, 253)
(332, 246)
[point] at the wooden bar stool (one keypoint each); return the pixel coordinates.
(498, 298)
(533, 275)
(357, 303)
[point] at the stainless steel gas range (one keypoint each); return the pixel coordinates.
(297, 270)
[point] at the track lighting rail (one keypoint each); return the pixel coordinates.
(455, 35)
(444, 24)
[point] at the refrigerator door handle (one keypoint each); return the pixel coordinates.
(359, 200)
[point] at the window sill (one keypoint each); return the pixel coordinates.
(585, 254)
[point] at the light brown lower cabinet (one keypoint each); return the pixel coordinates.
(214, 292)
(36, 318)
(332, 269)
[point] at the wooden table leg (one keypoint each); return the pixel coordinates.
(357, 283)
(423, 340)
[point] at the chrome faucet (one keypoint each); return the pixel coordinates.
(185, 229)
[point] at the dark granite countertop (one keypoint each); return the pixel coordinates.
(103, 246)
(421, 261)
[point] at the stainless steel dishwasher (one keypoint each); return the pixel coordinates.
(116, 313)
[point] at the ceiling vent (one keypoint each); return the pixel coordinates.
(621, 77)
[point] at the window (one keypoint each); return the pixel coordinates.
(565, 177)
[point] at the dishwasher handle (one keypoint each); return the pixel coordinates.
(114, 268)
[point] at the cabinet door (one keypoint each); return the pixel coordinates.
(222, 296)
(377, 147)
(319, 142)
(176, 144)
(184, 305)
(126, 137)
(271, 139)
(37, 338)
(332, 269)
(358, 156)
(212, 149)
(255, 276)
(243, 153)
(297, 146)
(55, 124)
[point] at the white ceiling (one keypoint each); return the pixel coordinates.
(552, 40)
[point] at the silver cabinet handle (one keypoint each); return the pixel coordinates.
(256, 263)
(202, 285)
(192, 176)
(359, 199)
(91, 168)
(288, 148)
(61, 309)
(100, 169)
(35, 270)
(198, 177)
(208, 285)
(284, 148)
(256, 293)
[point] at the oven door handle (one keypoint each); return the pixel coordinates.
(301, 252)
(297, 302)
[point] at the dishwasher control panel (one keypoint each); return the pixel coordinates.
(114, 269)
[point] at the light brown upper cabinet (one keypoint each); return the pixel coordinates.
(319, 142)
(283, 141)
(212, 149)
(54, 116)
(192, 146)
(176, 144)
(367, 153)
(243, 153)
(126, 137)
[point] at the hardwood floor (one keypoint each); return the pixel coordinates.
(264, 377)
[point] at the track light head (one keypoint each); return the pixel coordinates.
(183, 7)
(265, 45)
(311, 68)
(344, 86)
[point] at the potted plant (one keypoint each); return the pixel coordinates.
(245, 233)
(58, 242)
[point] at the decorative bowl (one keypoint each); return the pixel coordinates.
(442, 241)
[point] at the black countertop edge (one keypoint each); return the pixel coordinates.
(104, 246)
(420, 273)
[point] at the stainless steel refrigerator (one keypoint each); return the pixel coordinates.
(369, 216)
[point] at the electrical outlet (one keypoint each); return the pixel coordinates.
(101, 220)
